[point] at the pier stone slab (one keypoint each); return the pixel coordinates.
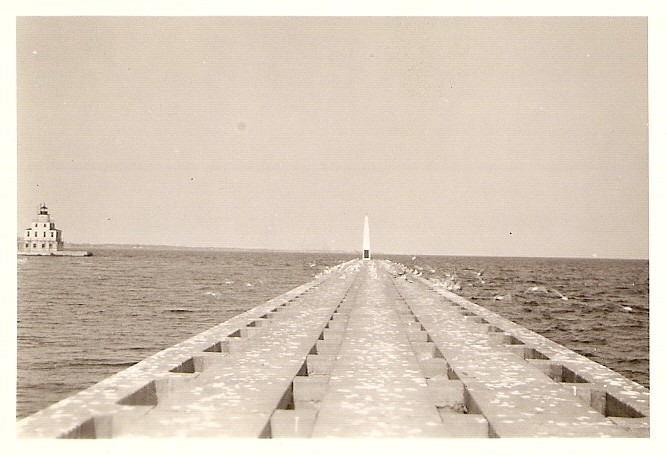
(292, 423)
(328, 347)
(433, 367)
(320, 364)
(447, 395)
(192, 424)
(310, 388)
(464, 426)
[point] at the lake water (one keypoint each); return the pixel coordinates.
(81, 320)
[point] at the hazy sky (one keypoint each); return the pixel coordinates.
(477, 136)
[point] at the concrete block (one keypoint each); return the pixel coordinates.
(236, 345)
(273, 314)
(417, 336)
(611, 406)
(155, 391)
(312, 388)
(346, 307)
(580, 390)
(248, 332)
(327, 347)
(424, 350)
(414, 325)
(518, 350)
(221, 346)
(203, 361)
(292, 423)
(260, 323)
(332, 334)
(408, 318)
(404, 310)
(320, 364)
(532, 353)
(543, 365)
(192, 424)
(464, 426)
(560, 373)
(537, 409)
(497, 338)
(448, 395)
(374, 423)
(340, 317)
(433, 367)
(338, 325)
(636, 427)
(98, 427)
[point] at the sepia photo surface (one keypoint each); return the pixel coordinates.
(282, 226)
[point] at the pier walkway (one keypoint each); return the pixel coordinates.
(365, 350)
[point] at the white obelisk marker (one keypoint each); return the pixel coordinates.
(366, 255)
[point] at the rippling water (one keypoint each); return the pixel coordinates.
(81, 320)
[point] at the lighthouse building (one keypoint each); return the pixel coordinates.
(42, 235)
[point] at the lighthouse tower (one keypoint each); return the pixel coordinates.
(42, 236)
(366, 248)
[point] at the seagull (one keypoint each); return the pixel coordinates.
(536, 289)
(564, 298)
(544, 290)
(507, 297)
(455, 287)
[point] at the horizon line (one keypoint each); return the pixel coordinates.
(351, 252)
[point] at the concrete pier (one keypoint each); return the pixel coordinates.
(365, 350)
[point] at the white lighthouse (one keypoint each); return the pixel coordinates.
(42, 238)
(366, 247)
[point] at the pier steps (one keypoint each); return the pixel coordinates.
(364, 350)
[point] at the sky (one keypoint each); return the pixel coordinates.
(501, 136)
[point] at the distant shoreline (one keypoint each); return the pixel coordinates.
(88, 246)
(179, 247)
